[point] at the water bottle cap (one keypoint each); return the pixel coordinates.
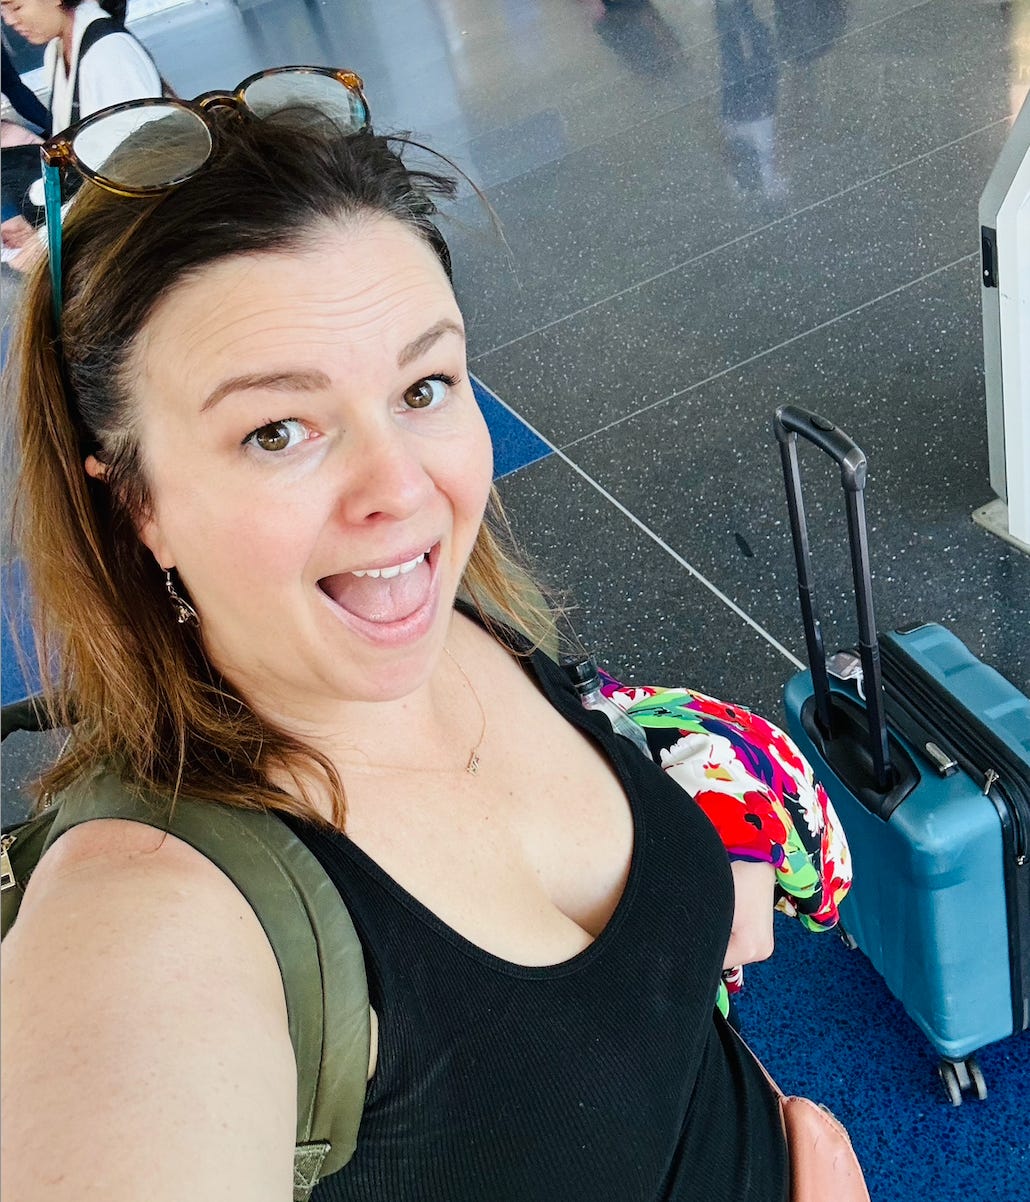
(582, 671)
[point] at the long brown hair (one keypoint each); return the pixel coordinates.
(138, 689)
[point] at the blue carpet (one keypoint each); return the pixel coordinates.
(515, 444)
(851, 1046)
(18, 677)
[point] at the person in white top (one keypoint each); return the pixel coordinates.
(113, 68)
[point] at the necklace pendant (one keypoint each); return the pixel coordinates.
(472, 767)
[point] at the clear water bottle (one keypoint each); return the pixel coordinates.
(584, 675)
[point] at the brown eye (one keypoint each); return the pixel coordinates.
(278, 436)
(426, 392)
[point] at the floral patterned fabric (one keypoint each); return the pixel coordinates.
(758, 791)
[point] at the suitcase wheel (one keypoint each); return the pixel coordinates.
(960, 1077)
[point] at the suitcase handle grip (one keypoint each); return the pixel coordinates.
(789, 424)
(827, 437)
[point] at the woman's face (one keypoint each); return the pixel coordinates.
(317, 461)
(36, 20)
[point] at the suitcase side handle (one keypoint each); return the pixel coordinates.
(789, 424)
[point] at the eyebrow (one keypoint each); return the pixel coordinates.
(275, 381)
(421, 344)
(315, 381)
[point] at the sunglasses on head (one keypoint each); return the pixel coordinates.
(146, 147)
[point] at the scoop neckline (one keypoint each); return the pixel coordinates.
(592, 726)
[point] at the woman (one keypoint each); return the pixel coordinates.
(269, 431)
(91, 61)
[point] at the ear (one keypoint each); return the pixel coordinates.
(148, 529)
(151, 536)
(94, 468)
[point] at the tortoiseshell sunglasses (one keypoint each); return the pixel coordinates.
(145, 147)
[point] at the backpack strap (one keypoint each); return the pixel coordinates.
(92, 34)
(310, 931)
(94, 31)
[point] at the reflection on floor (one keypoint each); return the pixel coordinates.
(712, 207)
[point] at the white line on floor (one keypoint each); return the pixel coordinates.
(830, 321)
(656, 538)
(715, 250)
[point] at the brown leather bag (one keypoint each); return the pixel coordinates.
(823, 1164)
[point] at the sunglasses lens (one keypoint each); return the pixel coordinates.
(281, 90)
(144, 147)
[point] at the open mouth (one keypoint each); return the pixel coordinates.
(387, 594)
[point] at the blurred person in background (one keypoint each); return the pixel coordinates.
(91, 61)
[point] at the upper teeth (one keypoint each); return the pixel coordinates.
(398, 569)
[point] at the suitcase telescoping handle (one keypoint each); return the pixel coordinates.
(790, 423)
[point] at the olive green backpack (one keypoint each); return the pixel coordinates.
(306, 922)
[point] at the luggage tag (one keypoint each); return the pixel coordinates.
(846, 666)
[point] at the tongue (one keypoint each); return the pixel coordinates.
(379, 600)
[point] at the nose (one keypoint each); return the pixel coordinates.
(385, 477)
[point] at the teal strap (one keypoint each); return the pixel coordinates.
(311, 933)
(52, 203)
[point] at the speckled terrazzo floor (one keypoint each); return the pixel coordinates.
(713, 207)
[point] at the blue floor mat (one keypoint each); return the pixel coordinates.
(878, 1075)
(18, 676)
(515, 444)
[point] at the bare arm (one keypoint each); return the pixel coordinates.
(145, 1045)
(16, 232)
(751, 937)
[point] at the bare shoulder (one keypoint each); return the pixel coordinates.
(146, 1048)
(135, 880)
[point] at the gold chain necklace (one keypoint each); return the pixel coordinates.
(472, 767)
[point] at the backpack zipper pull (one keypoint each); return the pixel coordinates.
(990, 776)
(7, 880)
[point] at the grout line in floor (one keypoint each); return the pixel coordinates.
(655, 538)
(714, 250)
(768, 351)
(698, 576)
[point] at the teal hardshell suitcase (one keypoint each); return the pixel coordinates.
(928, 767)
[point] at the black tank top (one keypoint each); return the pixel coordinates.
(607, 1078)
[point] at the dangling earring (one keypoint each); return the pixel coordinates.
(185, 611)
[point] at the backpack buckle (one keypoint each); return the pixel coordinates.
(307, 1161)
